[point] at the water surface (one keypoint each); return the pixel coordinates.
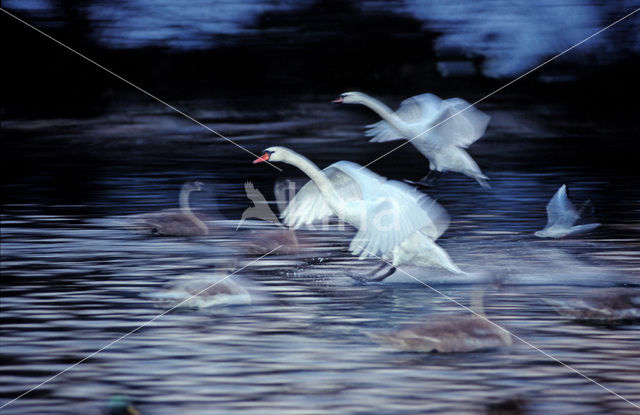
(74, 278)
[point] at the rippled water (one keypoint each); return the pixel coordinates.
(74, 278)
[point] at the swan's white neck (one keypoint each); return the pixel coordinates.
(385, 112)
(186, 209)
(319, 178)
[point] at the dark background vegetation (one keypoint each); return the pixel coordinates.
(320, 47)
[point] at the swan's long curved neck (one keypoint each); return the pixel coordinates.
(319, 178)
(383, 111)
(186, 210)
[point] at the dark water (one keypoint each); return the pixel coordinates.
(74, 278)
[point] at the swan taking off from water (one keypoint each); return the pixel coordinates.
(394, 220)
(425, 121)
(561, 215)
(182, 222)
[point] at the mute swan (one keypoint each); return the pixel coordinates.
(610, 305)
(418, 120)
(394, 220)
(183, 222)
(448, 333)
(275, 241)
(561, 215)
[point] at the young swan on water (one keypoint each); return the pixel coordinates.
(449, 333)
(605, 306)
(182, 222)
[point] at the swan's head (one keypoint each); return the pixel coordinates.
(272, 154)
(193, 186)
(349, 98)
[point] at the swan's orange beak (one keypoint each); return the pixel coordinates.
(337, 101)
(262, 158)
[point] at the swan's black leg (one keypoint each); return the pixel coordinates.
(430, 179)
(380, 268)
(391, 270)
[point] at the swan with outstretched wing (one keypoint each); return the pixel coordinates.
(440, 129)
(395, 221)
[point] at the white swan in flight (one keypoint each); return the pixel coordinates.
(561, 215)
(394, 220)
(425, 121)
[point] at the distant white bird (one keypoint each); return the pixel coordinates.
(174, 222)
(421, 119)
(394, 220)
(561, 215)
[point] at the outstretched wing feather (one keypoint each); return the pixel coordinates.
(560, 210)
(399, 211)
(457, 123)
(309, 205)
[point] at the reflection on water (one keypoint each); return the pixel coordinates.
(75, 278)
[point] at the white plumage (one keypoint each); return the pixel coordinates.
(561, 216)
(439, 129)
(394, 220)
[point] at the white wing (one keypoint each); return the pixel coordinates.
(381, 131)
(448, 122)
(309, 205)
(560, 210)
(389, 211)
(457, 124)
(412, 110)
(392, 212)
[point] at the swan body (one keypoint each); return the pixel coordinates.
(436, 127)
(274, 241)
(604, 306)
(449, 333)
(394, 220)
(172, 222)
(561, 216)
